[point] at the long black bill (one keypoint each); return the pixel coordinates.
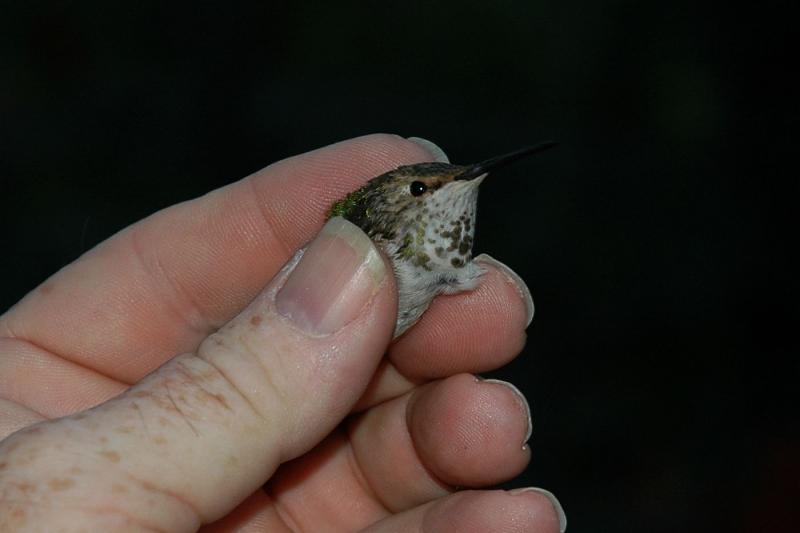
(478, 169)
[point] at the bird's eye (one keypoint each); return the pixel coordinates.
(418, 188)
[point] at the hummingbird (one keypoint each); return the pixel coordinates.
(423, 217)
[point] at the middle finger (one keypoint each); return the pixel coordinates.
(456, 432)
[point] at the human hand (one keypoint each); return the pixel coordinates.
(281, 413)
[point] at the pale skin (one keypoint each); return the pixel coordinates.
(251, 423)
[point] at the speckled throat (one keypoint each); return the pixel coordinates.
(439, 234)
(423, 217)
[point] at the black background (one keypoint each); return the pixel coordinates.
(657, 239)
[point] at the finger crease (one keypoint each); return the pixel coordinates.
(150, 487)
(230, 382)
(361, 479)
(180, 411)
(407, 426)
(66, 358)
(180, 302)
(282, 511)
(268, 225)
(3, 397)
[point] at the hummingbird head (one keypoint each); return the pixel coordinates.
(424, 214)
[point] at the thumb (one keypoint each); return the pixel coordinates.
(197, 436)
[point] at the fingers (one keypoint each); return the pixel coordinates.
(518, 511)
(160, 286)
(256, 514)
(473, 332)
(15, 417)
(471, 433)
(35, 371)
(406, 452)
(460, 432)
(469, 332)
(386, 383)
(194, 438)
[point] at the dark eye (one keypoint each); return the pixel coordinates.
(418, 188)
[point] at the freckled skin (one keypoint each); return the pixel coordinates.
(112, 456)
(118, 461)
(59, 484)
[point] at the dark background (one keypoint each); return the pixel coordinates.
(657, 239)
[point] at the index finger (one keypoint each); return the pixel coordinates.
(160, 286)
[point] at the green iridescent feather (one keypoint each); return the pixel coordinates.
(348, 204)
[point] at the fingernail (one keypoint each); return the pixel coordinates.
(437, 153)
(515, 280)
(338, 274)
(522, 400)
(562, 517)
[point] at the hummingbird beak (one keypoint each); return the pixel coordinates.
(479, 169)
